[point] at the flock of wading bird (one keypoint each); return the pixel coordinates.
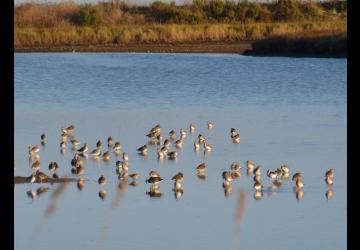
(163, 150)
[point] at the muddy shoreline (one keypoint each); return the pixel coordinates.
(193, 47)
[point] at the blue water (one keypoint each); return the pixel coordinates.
(287, 110)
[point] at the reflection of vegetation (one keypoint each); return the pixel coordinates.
(319, 44)
(117, 22)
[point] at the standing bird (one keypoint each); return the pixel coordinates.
(117, 146)
(143, 150)
(178, 177)
(36, 165)
(34, 150)
(285, 169)
(110, 142)
(53, 166)
(250, 165)
(172, 135)
(235, 167)
(153, 173)
(41, 176)
(271, 174)
(96, 151)
(69, 130)
(201, 138)
(172, 155)
(201, 167)
(330, 173)
(102, 180)
(106, 156)
(297, 176)
(299, 183)
(43, 139)
(75, 142)
(154, 180)
(83, 149)
(258, 186)
(257, 170)
(227, 178)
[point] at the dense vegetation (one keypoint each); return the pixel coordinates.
(114, 21)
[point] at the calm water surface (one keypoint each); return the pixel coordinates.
(287, 110)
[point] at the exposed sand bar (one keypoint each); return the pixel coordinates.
(22, 180)
(238, 47)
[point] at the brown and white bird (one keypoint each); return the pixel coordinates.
(210, 125)
(43, 139)
(271, 174)
(117, 146)
(250, 165)
(172, 155)
(143, 150)
(36, 165)
(297, 176)
(68, 130)
(201, 167)
(285, 168)
(154, 180)
(330, 173)
(178, 143)
(172, 135)
(75, 142)
(235, 167)
(258, 186)
(110, 142)
(299, 183)
(83, 149)
(154, 173)
(96, 151)
(102, 180)
(53, 166)
(178, 177)
(106, 156)
(34, 150)
(257, 170)
(201, 138)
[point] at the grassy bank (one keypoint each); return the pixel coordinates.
(165, 33)
(115, 23)
(324, 44)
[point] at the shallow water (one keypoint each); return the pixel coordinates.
(287, 110)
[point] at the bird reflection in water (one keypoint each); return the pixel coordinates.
(239, 213)
(329, 194)
(258, 195)
(178, 192)
(299, 194)
(154, 191)
(227, 190)
(201, 176)
(80, 184)
(249, 172)
(102, 194)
